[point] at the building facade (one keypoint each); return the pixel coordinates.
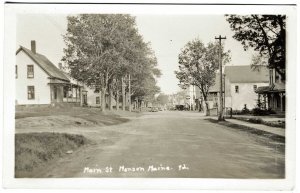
(244, 82)
(240, 84)
(40, 82)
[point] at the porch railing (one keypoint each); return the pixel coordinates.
(71, 100)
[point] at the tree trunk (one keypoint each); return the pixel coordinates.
(207, 108)
(129, 92)
(117, 101)
(110, 105)
(103, 103)
(123, 95)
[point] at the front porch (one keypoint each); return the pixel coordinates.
(65, 92)
(273, 99)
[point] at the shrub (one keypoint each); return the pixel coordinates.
(261, 112)
(245, 110)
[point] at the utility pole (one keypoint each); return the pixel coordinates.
(221, 116)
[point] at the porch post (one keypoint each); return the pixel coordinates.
(281, 101)
(272, 101)
(51, 93)
(265, 101)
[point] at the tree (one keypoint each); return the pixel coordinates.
(144, 75)
(95, 47)
(103, 48)
(266, 34)
(162, 99)
(197, 66)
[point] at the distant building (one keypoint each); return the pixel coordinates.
(213, 94)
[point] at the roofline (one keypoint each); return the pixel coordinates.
(22, 48)
(59, 79)
(241, 65)
(250, 82)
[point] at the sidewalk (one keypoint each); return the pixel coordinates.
(273, 130)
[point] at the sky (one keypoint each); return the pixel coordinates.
(166, 33)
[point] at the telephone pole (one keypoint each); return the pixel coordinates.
(221, 116)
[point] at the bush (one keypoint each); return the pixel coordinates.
(261, 112)
(245, 110)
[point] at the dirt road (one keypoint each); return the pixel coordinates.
(169, 144)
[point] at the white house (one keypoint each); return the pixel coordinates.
(239, 87)
(243, 83)
(40, 82)
(91, 97)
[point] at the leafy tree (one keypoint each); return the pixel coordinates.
(266, 34)
(96, 44)
(144, 74)
(197, 66)
(103, 48)
(162, 99)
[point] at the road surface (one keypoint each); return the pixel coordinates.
(170, 144)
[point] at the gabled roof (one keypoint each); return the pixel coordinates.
(245, 74)
(45, 64)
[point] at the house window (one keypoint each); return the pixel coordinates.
(30, 72)
(254, 87)
(236, 89)
(30, 92)
(16, 71)
(97, 100)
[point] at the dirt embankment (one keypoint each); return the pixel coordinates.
(46, 134)
(47, 117)
(35, 150)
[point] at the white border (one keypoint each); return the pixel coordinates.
(140, 183)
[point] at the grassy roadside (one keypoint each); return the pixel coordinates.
(249, 130)
(35, 150)
(259, 120)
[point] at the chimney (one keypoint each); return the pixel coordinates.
(33, 46)
(60, 65)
